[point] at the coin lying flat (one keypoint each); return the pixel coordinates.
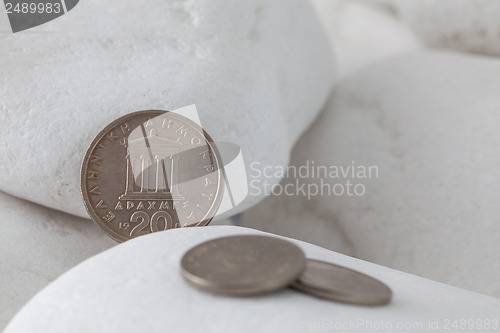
(150, 171)
(243, 265)
(326, 280)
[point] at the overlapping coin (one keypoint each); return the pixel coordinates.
(338, 283)
(150, 171)
(252, 264)
(243, 265)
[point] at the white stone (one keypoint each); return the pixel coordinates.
(293, 216)
(36, 246)
(137, 287)
(363, 32)
(258, 71)
(462, 25)
(429, 122)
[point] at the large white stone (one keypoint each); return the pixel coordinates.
(363, 32)
(36, 246)
(258, 71)
(294, 216)
(429, 122)
(137, 287)
(462, 25)
(357, 44)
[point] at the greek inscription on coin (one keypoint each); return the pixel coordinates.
(151, 171)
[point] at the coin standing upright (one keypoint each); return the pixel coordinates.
(150, 171)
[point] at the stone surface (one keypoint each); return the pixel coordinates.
(137, 287)
(357, 43)
(429, 122)
(36, 246)
(294, 216)
(4, 23)
(259, 71)
(462, 25)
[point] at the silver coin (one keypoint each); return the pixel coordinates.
(150, 171)
(243, 265)
(338, 283)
